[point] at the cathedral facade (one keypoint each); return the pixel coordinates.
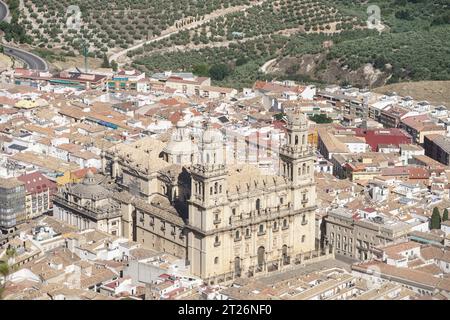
(225, 220)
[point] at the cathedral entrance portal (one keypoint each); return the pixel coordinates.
(237, 267)
(261, 257)
(285, 255)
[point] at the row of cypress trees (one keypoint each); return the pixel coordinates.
(436, 218)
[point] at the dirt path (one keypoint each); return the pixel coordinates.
(267, 65)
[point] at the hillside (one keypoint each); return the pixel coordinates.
(412, 47)
(322, 41)
(110, 24)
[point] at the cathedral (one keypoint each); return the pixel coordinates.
(183, 198)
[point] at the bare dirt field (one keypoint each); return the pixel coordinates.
(435, 92)
(78, 61)
(6, 62)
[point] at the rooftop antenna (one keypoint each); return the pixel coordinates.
(84, 50)
(85, 54)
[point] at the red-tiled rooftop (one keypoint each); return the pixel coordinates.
(392, 136)
(274, 87)
(36, 182)
(79, 174)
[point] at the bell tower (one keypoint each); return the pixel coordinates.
(297, 160)
(208, 201)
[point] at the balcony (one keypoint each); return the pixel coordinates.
(304, 222)
(173, 233)
(237, 239)
(285, 227)
(217, 221)
(304, 201)
(248, 236)
(261, 233)
(216, 244)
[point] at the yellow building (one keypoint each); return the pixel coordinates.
(76, 176)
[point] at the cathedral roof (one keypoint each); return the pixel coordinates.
(173, 171)
(143, 155)
(160, 206)
(245, 178)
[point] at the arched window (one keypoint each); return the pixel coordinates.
(216, 239)
(220, 189)
(216, 260)
(304, 168)
(211, 190)
(214, 157)
(216, 187)
(308, 169)
(261, 228)
(275, 225)
(247, 232)
(207, 158)
(296, 140)
(303, 139)
(238, 235)
(258, 204)
(284, 223)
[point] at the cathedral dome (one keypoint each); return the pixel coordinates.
(297, 118)
(180, 143)
(211, 136)
(90, 189)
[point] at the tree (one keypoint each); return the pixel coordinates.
(114, 65)
(219, 71)
(105, 63)
(445, 215)
(435, 219)
(321, 118)
(201, 70)
(4, 272)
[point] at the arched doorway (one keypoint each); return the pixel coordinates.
(237, 267)
(261, 257)
(284, 254)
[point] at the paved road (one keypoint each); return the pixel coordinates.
(30, 59)
(4, 11)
